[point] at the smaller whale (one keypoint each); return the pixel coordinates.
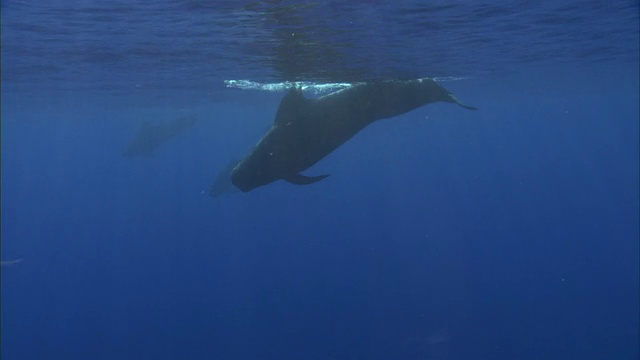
(11, 262)
(150, 137)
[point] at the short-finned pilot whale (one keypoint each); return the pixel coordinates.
(150, 137)
(306, 130)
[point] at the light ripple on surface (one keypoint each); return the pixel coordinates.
(191, 45)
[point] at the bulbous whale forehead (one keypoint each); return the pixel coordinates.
(250, 173)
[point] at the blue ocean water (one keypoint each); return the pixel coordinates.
(510, 232)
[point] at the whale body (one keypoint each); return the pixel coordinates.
(306, 130)
(150, 137)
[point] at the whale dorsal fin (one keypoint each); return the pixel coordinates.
(299, 179)
(290, 107)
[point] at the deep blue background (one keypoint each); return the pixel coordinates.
(508, 232)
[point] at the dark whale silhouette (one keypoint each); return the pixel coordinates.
(150, 137)
(307, 130)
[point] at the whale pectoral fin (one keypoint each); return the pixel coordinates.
(455, 100)
(299, 179)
